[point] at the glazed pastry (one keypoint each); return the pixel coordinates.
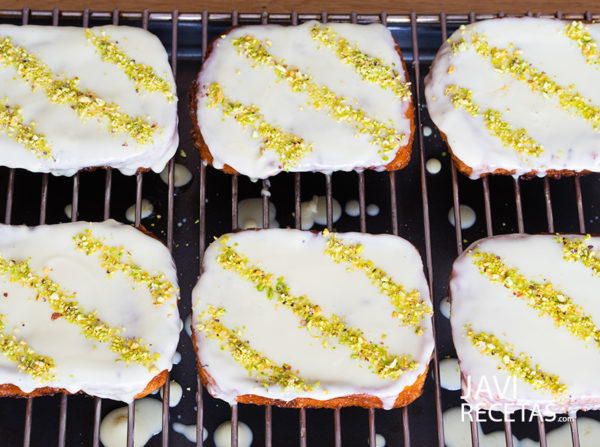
(312, 97)
(301, 319)
(85, 307)
(525, 321)
(519, 96)
(76, 98)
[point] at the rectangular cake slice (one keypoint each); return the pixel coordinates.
(301, 319)
(85, 307)
(519, 96)
(313, 97)
(525, 315)
(75, 98)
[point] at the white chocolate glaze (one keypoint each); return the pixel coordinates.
(467, 216)
(336, 145)
(449, 374)
(181, 175)
(76, 143)
(146, 210)
(568, 140)
(352, 208)
(148, 422)
(273, 329)
(176, 358)
(222, 436)
(490, 307)
(250, 214)
(314, 211)
(175, 393)
(372, 209)
(85, 364)
(189, 431)
(445, 307)
(433, 166)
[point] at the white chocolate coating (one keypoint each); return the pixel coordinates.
(274, 330)
(490, 307)
(76, 144)
(84, 364)
(336, 145)
(569, 141)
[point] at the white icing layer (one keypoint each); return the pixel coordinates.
(84, 364)
(569, 141)
(274, 331)
(75, 143)
(491, 308)
(336, 145)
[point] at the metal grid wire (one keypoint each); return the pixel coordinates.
(420, 190)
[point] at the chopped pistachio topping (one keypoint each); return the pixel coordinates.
(460, 44)
(384, 136)
(111, 257)
(542, 297)
(410, 309)
(505, 61)
(65, 91)
(380, 361)
(516, 139)
(517, 365)
(289, 147)
(11, 122)
(38, 366)
(577, 250)
(142, 75)
(266, 371)
(65, 303)
(578, 32)
(371, 69)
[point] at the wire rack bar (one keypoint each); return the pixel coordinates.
(548, 200)
(426, 218)
(393, 19)
(574, 431)
(518, 205)
(97, 417)
(302, 427)
(458, 224)
(201, 246)
(268, 426)
(542, 431)
(27, 429)
(234, 425)
(579, 200)
(372, 434)
(337, 427)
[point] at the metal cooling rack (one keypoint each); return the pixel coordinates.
(414, 204)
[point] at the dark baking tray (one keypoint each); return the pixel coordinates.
(413, 203)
